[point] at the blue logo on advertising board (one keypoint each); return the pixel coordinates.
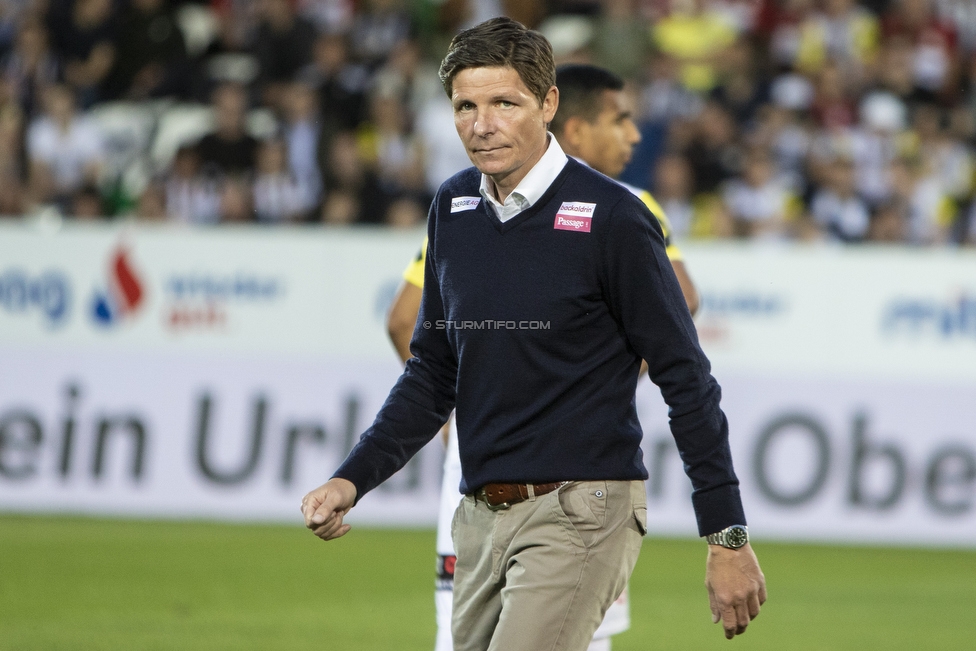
(48, 294)
(200, 301)
(742, 303)
(945, 319)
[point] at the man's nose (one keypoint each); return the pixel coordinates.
(484, 124)
(633, 133)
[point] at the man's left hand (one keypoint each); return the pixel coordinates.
(736, 587)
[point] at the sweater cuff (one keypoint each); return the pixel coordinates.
(358, 479)
(718, 508)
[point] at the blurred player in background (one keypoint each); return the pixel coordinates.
(594, 124)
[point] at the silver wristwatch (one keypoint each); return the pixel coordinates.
(731, 537)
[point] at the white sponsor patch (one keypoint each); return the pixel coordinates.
(574, 216)
(460, 204)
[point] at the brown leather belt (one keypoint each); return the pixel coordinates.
(501, 496)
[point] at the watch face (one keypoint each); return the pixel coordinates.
(737, 537)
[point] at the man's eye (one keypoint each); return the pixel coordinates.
(506, 104)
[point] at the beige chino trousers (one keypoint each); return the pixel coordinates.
(540, 575)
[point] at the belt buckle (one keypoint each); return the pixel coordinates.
(492, 507)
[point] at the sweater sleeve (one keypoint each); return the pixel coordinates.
(646, 300)
(419, 403)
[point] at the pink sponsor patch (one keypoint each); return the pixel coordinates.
(574, 216)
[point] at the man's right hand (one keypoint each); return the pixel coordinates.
(325, 506)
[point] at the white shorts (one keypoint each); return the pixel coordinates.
(616, 620)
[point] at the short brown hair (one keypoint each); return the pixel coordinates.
(502, 42)
(581, 88)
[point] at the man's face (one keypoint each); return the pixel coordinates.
(500, 122)
(607, 143)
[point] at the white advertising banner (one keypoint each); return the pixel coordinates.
(833, 460)
(217, 373)
(221, 373)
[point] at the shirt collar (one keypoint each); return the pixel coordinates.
(531, 188)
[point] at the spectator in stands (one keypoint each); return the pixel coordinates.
(393, 149)
(11, 156)
(928, 212)
(696, 37)
(962, 15)
(151, 206)
(442, 151)
(64, 150)
(380, 27)
(230, 149)
(340, 84)
(888, 223)
(83, 33)
(31, 66)
(236, 206)
(841, 31)
(895, 72)
(283, 46)
(11, 16)
(933, 42)
(663, 98)
(279, 196)
(329, 16)
(12, 121)
(740, 89)
(760, 205)
(301, 129)
(405, 78)
(968, 226)
(191, 197)
(783, 129)
(715, 153)
(86, 204)
(151, 59)
(874, 144)
(786, 21)
(836, 207)
(406, 213)
(354, 193)
(833, 108)
(12, 200)
(967, 104)
(707, 94)
(947, 159)
(340, 208)
(672, 189)
(229, 57)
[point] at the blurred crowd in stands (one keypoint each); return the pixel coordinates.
(835, 120)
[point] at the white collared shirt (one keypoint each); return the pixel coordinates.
(531, 188)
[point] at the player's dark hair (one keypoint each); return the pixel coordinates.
(581, 88)
(502, 42)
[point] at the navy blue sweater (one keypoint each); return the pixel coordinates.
(535, 329)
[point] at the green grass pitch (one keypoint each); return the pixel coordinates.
(71, 584)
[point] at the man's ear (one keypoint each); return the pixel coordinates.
(549, 104)
(572, 133)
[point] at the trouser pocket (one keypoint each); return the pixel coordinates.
(640, 516)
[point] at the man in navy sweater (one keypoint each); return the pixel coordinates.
(546, 283)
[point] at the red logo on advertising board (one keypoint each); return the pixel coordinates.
(124, 293)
